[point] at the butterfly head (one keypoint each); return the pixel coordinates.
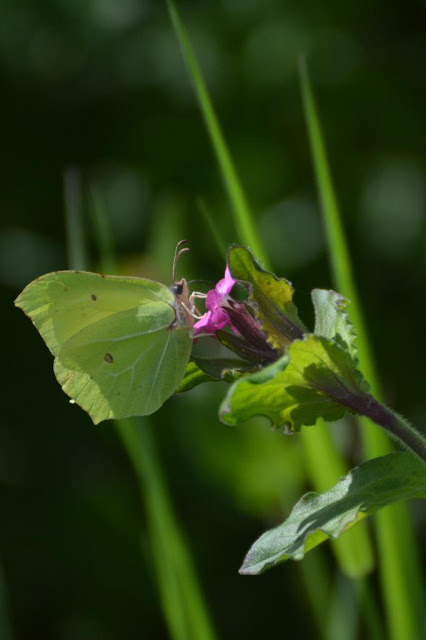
(178, 288)
(184, 306)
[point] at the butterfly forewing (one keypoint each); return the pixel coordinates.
(64, 302)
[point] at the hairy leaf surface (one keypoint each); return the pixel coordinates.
(332, 320)
(318, 516)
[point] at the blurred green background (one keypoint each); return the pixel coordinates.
(100, 85)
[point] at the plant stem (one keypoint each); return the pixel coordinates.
(397, 427)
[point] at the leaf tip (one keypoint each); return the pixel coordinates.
(250, 568)
(245, 571)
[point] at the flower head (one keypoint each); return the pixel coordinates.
(216, 317)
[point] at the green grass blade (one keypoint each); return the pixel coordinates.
(372, 615)
(399, 566)
(335, 236)
(183, 604)
(213, 228)
(343, 621)
(248, 235)
(243, 219)
(316, 573)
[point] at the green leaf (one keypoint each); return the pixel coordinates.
(193, 377)
(271, 298)
(331, 319)
(315, 379)
(318, 516)
(216, 367)
(201, 370)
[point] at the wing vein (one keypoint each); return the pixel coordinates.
(127, 337)
(157, 373)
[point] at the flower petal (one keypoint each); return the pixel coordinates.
(203, 324)
(219, 318)
(216, 317)
(225, 285)
(213, 299)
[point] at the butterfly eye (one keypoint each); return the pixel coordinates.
(177, 288)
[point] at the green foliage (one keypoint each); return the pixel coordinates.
(331, 319)
(318, 516)
(183, 604)
(318, 375)
(194, 376)
(270, 297)
(400, 575)
(315, 379)
(201, 370)
(131, 121)
(250, 236)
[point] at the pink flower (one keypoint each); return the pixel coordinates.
(215, 318)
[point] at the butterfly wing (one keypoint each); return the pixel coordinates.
(119, 349)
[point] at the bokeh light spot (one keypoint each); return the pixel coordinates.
(393, 205)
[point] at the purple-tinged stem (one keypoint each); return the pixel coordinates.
(397, 427)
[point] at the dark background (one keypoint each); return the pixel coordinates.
(101, 86)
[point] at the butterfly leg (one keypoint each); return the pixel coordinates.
(193, 311)
(196, 295)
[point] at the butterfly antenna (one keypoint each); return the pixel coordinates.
(209, 282)
(180, 250)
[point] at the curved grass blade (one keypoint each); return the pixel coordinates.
(243, 220)
(213, 228)
(183, 604)
(400, 575)
(248, 235)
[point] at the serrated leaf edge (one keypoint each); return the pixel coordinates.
(353, 335)
(280, 365)
(254, 305)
